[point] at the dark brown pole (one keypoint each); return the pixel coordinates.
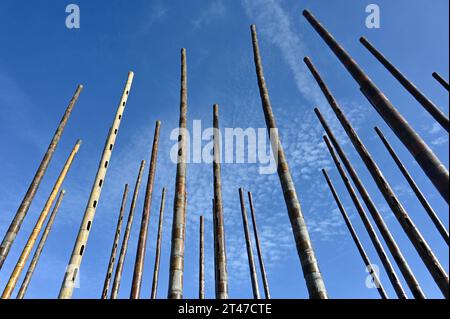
(115, 245)
(441, 80)
(248, 243)
(407, 224)
(22, 211)
(178, 225)
(201, 271)
(358, 244)
(258, 248)
(40, 247)
(310, 267)
(431, 213)
(126, 236)
(220, 251)
(398, 257)
(143, 233)
(158, 245)
(430, 164)
(431, 108)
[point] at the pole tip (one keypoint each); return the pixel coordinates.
(363, 40)
(158, 123)
(130, 73)
(306, 60)
(79, 141)
(63, 191)
(316, 110)
(80, 86)
(306, 13)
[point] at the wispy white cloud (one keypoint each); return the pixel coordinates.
(216, 9)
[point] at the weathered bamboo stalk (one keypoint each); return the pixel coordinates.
(398, 257)
(420, 196)
(220, 251)
(248, 243)
(158, 246)
(143, 234)
(441, 80)
(94, 198)
(126, 235)
(427, 160)
(40, 247)
(431, 108)
(201, 271)
(115, 245)
(178, 224)
(310, 267)
(39, 223)
(258, 247)
(355, 237)
(22, 211)
(416, 238)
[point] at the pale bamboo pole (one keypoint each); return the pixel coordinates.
(158, 246)
(201, 271)
(38, 226)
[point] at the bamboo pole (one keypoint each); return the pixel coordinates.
(355, 237)
(427, 160)
(258, 247)
(158, 245)
(94, 198)
(40, 247)
(420, 196)
(143, 234)
(126, 236)
(392, 275)
(429, 106)
(22, 211)
(201, 271)
(178, 225)
(310, 267)
(441, 80)
(248, 243)
(39, 224)
(115, 245)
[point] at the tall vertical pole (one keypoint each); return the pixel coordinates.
(40, 247)
(39, 224)
(143, 234)
(115, 245)
(258, 247)
(416, 238)
(158, 245)
(220, 251)
(430, 164)
(311, 271)
(248, 243)
(420, 196)
(178, 226)
(91, 207)
(126, 235)
(431, 108)
(22, 211)
(396, 253)
(201, 270)
(355, 237)
(441, 80)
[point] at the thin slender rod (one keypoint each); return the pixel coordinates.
(158, 246)
(428, 105)
(355, 237)
(22, 211)
(258, 247)
(420, 196)
(201, 271)
(248, 244)
(26, 252)
(79, 248)
(392, 275)
(178, 225)
(143, 233)
(220, 251)
(126, 235)
(441, 80)
(427, 160)
(311, 272)
(40, 247)
(115, 245)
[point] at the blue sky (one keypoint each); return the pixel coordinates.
(41, 62)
